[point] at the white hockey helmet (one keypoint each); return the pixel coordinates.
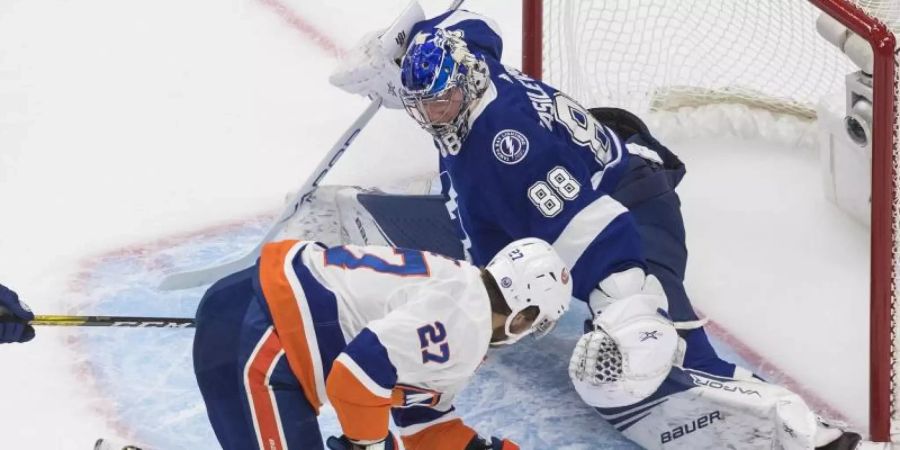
(530, 273)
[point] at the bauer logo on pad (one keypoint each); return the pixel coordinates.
(510, 146)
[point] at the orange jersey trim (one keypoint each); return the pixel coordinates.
(450, 435)
(362, 414)
(286, 316)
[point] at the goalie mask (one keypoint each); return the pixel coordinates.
(530, 274)
(442, 81)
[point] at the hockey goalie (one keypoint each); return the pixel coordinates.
(519, 158)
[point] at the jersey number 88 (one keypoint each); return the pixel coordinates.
(548, 196)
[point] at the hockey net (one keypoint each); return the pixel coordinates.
(658, 55)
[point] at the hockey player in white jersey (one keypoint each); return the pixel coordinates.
(519, 158)
(374, 331)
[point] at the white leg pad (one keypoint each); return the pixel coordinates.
(723, 413)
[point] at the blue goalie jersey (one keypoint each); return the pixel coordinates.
(535, 163)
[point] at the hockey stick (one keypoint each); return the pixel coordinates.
(194, 278)
(113, 321)
(102, 321)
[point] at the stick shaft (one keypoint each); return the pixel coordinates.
(113, 321)
(194, 278)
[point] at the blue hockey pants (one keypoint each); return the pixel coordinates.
(252, 397)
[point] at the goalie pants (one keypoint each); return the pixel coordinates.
(252, 397)
(647, 189)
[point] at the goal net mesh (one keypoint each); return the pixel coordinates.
(643, 54)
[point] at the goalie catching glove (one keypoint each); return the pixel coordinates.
(630, 351)
(368, 70)
(372, 67)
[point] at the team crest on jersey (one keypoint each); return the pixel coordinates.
(510, 146)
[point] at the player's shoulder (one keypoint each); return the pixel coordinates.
(452, 286)
(461, 314)
(516, 117)
(481, 33)
(452, 309)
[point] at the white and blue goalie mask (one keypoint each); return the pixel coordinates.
(441, 81)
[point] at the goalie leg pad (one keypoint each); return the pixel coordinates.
(419, 222)
(357, 226)
(693, 410)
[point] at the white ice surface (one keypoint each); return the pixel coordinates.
(122, 123)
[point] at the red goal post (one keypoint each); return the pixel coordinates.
(867, 19)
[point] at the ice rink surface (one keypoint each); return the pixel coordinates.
(140, 138)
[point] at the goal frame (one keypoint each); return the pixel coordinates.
(884, 186)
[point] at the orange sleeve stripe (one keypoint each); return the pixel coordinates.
(286, 315)
(362, 414)
(450, 435)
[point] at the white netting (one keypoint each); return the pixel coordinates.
(886, 11)
(666, 54)
(663, 53)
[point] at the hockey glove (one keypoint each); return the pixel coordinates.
(343, 443)
(479, 443)
(630, 351)
(14, 317)
(372, 67)
(367, 70)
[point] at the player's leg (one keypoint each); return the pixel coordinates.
(216, 344)
(647, 189)
(716, 405)
(272, 400)
(661, 406)
(656, 208)
(297, 416)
